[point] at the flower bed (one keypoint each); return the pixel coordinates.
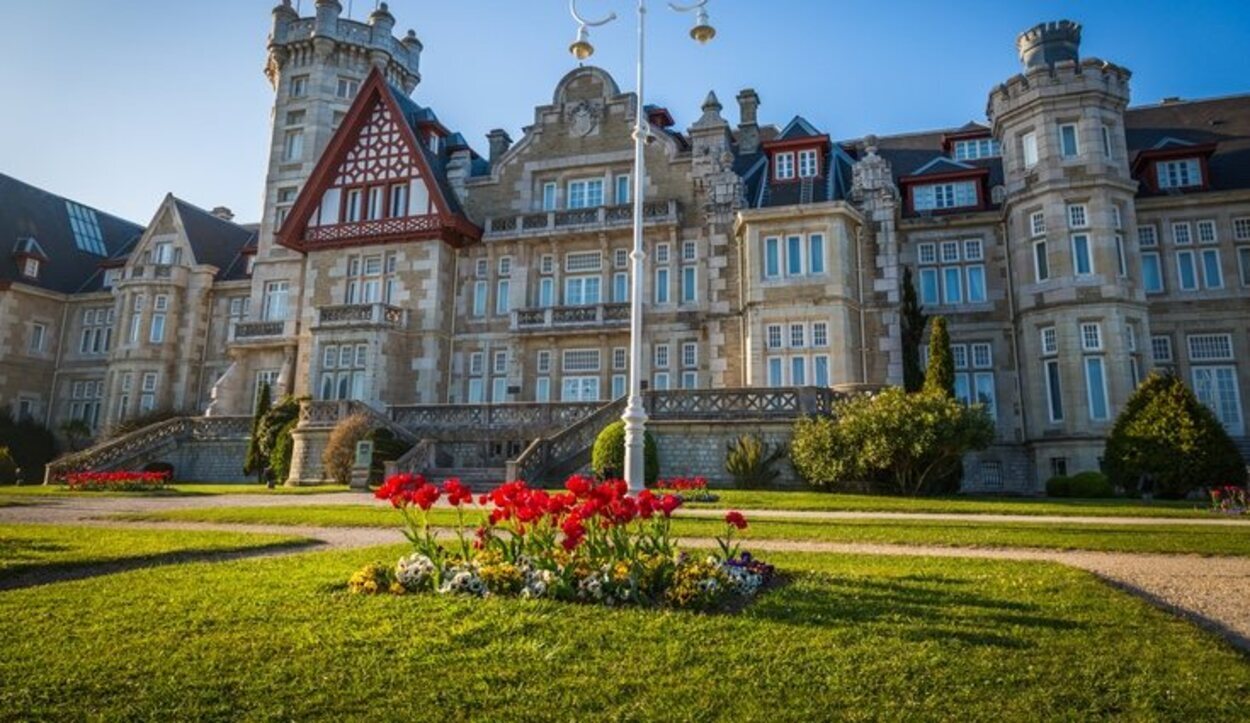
(1229, 500)
(592, 543)
(116, 481)
(689, 489)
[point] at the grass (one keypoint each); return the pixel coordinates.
(831, 502)
(851, 637)
(1155, 538)
(25, 548)
(175, 490)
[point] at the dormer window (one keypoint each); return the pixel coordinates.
(809, 164)
(163, 254)
(785, 167)
(972, 149)
(1180, 173)
(941, 196)
(30, 268)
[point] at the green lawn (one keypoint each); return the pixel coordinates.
(176, 490)
(1178, 539)
(851, 637)
(24, 548)
(825, 501)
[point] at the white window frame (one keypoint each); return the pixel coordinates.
(1075, 151)
(784, 170)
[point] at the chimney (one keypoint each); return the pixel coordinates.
(748, 123)
(500, 142)
(1048, 43)
(223, 213)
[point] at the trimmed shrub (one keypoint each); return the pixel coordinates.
(753, 462)
(912, 321)
(607, 457)
(340, 451)
(386, 448)
(940, 374)
(907, 441)
(1059, 486)
(1091, 485)
(272, 424)
(254, 461)
(1166, 431)
(30, 444)
(282, 452)
(8, 468)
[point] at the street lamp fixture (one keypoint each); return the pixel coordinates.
(635, 416)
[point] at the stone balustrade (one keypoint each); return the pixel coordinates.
(361, 315)
(133, 448)
(654, 213)
(262, 332)
(566, 317)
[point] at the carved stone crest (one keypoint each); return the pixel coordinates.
(583, 118)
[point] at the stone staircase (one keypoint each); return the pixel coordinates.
(479, 479)
(549, 458)
(158, 442)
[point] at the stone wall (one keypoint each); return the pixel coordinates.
(216, 460)
(698, 449)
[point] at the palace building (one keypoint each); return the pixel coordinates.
(1073, 242)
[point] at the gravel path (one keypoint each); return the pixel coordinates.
(1213, 592)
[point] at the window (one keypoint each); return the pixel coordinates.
(481, 268)
(1206, 232)
(1028, 149)
(971, 150)
(156, 335)
(500, 364)
(820, 334)
(581, 360)
(774, 372)
(549, 196)
(976, 284)
(299, 86)
(1186, 272)
(343, 369)
(586, 193)
(1243, 263)
(689, 285)
(477, 363)
(982, 356)
(774, 336)
(689, 251)
(38, 334)
(1041, 261)
(1106, 142)
(820, 370)
(661, 253)
(785, 167)
(347, 88)
(689, 380)
(86, 228)
(772, 257)
(952, 285)
(661, 285)
(1241, 229)
(1050, 341)
(927, 253)
(984, 392)
(399, 200)
(620, 358)
(797, 334)
(1179, 174)
(1147, 236)
(546, 292)
(581, 290)
(1210, 347)
(816, 253)
(377, 196)
(929, 286)
(503, 301)
(1082, 258)
(583, 261)
(544, 362)
(1121, 262)
(542, 389)
(370, 279)
(1091, 337)
(275, 307)
(1037, 223)
(499, 390)
(1068, 146)
(620, 287)
(660, 381)
(808, 164)
(293, 144)
(798, 371)
(149, 382)
(1054, 393)
(689, 355)
(477, 393)
(794, 255)
(1216, 387)
(938, 196)
(479, 298)
(30, 268)
(622, 189)
(1117, 218)
(620, 258)
(619, 382)
(1161, 349)
(1096, 388)
(1212, 273)
(1151, 272)
(661, 356)
(1181, 235)
(1078, 216)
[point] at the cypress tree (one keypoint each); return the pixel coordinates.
(912, 321)
(940, 376)
(254, 463)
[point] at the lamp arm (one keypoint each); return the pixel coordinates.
(688, 8)
(590, 23)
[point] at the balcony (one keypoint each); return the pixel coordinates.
(263, 333)
(359, 316)
(570, 317)
(160, 273)
(654, 213)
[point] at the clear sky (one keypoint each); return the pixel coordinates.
(116, 103)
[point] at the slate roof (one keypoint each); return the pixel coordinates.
(30, 212)
(414, 114)
(763, 192)
(1223, 121)
(216, 241)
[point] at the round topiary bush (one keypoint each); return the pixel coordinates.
(1090, 485)
(607, 458)
(1059, 486)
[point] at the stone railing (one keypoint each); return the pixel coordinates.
(355, 315)
(582, 219)
(416, 460)
(523, 419)
(262, 332)
(544, 453)
(116, 453)
(559, 317)
(327, 414)
(740, 404)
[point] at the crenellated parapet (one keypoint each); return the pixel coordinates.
(1065, 79)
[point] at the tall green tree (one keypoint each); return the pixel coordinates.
(912, 321)
(255, 461)
(940, 376)
(1165, 431)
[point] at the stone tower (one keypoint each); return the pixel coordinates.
(316, 65)
(1080, 308)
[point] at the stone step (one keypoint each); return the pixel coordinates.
(479, 479)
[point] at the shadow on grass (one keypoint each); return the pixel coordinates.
(34, 574)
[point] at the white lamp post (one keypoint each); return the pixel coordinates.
(635, 416)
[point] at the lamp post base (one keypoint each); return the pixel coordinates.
(635, 418)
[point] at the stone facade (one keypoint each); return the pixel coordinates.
(1073, 243)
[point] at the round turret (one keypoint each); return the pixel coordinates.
(382, 20)
(1049, 43)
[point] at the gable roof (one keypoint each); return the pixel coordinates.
(1222, 122)
(214, 241)
(27, 212)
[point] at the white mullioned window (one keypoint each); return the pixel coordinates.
(1161, 349)
(580, 360)
(1147, 235)
(940, 196)
(1050, 341)
(1037, 223)
(585, 193)
(1091, 336)
(1028, 149)
(773, 336)
(661, 356)
(785, 166)
(1181, 235)
(1206, 232)
(1078, 215)
(1069, 142)
(1210, 347)
(809, 165)
(1179, 174)
(583, 261)
(971, 150)
(1241, 229)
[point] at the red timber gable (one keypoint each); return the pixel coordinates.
(373, 184)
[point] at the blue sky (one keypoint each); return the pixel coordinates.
(116, 103)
